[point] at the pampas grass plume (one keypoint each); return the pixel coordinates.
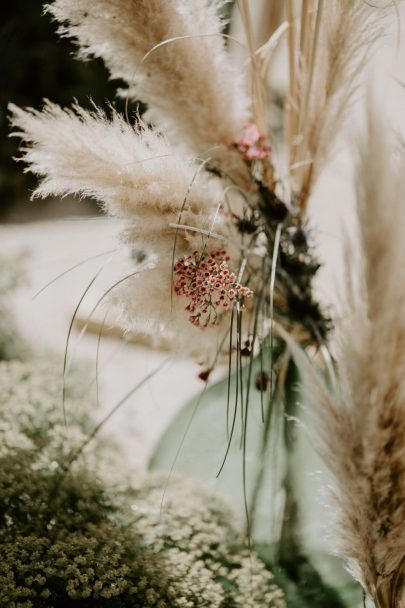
(361, 427)
(193, 91)
(135, 174)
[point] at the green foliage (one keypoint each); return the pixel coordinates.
(66, 548)
(29, 46)
(61, 541)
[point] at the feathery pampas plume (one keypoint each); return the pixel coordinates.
(362, 427)
(132, 171)
(193, 91)
(135, 174)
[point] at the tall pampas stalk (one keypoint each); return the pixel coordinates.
(327, 56)
(171, 55)
(362, 425)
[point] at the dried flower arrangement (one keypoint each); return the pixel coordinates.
(218, 204)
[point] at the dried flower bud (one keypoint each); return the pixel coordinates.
(252, 145)
(262, 381)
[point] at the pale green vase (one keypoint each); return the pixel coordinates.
(282, 488)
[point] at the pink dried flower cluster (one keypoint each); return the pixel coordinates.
(209, 285)
(252, 144)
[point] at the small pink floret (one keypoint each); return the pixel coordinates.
(251, 135)
(252, 145)
(209, 286)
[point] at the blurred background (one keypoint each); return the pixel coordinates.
(35, 63)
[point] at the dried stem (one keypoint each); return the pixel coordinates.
(303, 125)
(291, 102)
(257, 85)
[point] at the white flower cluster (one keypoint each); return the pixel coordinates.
(206, 557)
(191, 555)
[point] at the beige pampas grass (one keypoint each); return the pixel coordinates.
(193, 91)
(136, 175)
(133, 172)
(362, 427)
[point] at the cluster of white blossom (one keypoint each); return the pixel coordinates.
(195, 534)
(188, 556)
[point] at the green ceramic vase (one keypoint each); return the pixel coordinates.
(267, 469)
